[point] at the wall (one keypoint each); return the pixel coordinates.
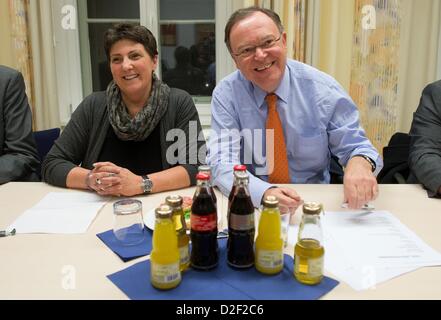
(335, 44)
(6, 56)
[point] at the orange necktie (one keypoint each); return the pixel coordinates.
(277, 160)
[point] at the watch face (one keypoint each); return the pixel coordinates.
(147, 185)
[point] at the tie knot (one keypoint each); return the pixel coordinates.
(271, 100)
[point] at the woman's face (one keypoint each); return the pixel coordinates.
(132, 68)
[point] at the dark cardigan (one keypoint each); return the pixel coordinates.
(82, 139)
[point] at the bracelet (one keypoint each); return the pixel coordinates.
(371, 162)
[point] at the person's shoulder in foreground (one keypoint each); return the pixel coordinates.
(18, 154)
(425, 141)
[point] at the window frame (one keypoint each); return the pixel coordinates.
(79, 79)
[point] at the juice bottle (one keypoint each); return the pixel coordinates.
(175, 202)
(164, 258)
(309, 252)
(269, 242)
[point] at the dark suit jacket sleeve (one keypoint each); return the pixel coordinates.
(19, 158)
(425, 144)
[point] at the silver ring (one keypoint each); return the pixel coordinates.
(98, 181)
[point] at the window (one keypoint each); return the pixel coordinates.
(192, 30)
(188, 46)
(95, 17)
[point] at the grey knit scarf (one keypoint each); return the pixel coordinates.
(139, 127)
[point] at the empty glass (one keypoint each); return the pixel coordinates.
(128, 226)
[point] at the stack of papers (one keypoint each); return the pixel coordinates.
(364, 249)
(60, 212)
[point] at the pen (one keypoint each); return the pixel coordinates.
(7, 233)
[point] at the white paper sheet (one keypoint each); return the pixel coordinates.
(60, 212)
(364, 249)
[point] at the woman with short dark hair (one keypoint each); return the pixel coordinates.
(123, 141)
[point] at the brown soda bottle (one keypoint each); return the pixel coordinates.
(239, 167)
(207, 170)
(203, 220)
(241, 228)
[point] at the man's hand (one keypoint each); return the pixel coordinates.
(289, 200)
(122, 182)
(360, 184)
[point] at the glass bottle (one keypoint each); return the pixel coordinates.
(203, 221)
(175, 202)
(241, 229)
(239, 167)
(164, 258)
(269, 242)
(207, 170)
(309, 251)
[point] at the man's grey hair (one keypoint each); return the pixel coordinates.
(246, 12)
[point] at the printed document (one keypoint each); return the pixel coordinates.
(60, 212)
(367, 248)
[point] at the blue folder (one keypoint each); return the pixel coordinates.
(222, 283)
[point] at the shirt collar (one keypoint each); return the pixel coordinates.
(282, 90)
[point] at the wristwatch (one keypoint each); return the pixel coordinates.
(371, 162)
(147, 184)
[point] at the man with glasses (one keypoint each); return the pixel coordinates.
(284, 119)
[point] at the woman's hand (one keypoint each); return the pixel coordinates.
(115, 181)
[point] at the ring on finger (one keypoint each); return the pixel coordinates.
(98, 181)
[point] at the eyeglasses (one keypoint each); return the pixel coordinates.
(251, 50)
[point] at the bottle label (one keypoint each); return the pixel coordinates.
(184, 255)
(269, 258)
(241, 222)
(313, 268)
(165, 273)
(203, 223)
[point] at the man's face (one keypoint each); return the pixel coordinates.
(264, 66)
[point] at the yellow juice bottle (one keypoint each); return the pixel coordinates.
(175, 202)
(269, 242)
(309, 251)
(164, 259)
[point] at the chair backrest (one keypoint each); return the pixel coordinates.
(336, 171)
(44, 140)
(395, 157)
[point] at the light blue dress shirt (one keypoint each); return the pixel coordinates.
(318, 117)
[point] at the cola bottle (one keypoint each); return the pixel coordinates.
(203, 221)
(241, 229)
(239, 167)
(207, 170)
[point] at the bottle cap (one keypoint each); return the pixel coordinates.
(312, 208)
(202, 176)
(163, 212)
(174, 200)
(240, 167)
(271, 202)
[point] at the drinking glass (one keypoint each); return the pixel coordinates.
(128, 226)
